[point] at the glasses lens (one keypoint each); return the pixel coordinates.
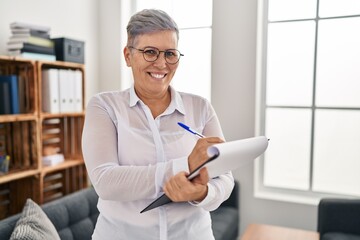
(151, 54)
(172, 56)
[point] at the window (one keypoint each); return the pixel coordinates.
(309, 99)
(194, 72)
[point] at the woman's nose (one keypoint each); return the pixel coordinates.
(160, 62)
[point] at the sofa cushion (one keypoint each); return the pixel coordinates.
(339, 236)
(74, 216)
(34, 224)
(225, 221)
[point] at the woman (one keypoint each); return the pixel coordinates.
(135, 151)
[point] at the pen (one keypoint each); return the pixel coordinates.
(187, 128)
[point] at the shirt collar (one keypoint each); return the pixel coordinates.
(133, 97)
(175, 104)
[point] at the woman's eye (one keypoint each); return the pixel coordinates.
(151, 52)
(170, 54)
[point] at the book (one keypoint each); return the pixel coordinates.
(36, 56)
(22, 25)
(223, 157)
(28, 47)
(4, 164)
(5, 107)
(14, 92)
(18, 42)
(25, 32)
(50, 90)
(52, 160)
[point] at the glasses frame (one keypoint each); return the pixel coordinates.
(157, 57)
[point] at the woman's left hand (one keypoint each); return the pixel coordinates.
(180, 189)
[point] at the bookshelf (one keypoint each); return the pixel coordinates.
(24, 136)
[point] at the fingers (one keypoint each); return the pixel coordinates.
(175, 187)
(199, 153)
(179, 188)
(212, 139)
(178, 182)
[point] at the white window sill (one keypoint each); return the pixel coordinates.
(287, 197)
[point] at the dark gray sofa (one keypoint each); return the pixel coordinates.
(74, 216)
(339, 219)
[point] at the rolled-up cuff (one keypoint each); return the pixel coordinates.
(209, 197)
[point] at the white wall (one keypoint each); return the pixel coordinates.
(233, 97)
(110, 53)
(67, 18)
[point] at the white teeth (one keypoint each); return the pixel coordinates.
(157, 75)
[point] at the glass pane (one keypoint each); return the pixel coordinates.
(287, 159)
(337, 152)
(164, 5)
(294, 9)
(198, 15)
(290, 63)
(332, 8)
(338, 59)
(194, 71)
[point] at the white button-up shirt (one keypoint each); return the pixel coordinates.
(129, 156)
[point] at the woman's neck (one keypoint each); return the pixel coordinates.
(157, 104)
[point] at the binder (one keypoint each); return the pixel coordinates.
(50, 90)
(66, 91)
(78, 86)
(12, 82)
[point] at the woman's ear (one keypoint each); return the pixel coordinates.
(127, 56)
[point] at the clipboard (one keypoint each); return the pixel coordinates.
(223, 158)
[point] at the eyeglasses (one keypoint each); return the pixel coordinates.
(151, 54)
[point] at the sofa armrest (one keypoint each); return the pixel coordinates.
(233, 200)
(339, 215)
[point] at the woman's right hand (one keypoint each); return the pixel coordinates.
(199, 153)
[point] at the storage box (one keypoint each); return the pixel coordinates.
(69, 50)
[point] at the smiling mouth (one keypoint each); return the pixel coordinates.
(157, 75)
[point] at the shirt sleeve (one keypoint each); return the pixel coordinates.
(219, 189)
(111, 180)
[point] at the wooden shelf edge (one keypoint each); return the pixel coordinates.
(61, 166)
(60, 115)
(42, 62)
(18, 117)
(61, 64)
(17, 59)
(18, 175)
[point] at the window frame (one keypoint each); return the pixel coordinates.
(310, 196)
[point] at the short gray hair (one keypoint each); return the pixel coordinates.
(149, 21)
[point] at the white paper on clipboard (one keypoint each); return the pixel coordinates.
(232, 155)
